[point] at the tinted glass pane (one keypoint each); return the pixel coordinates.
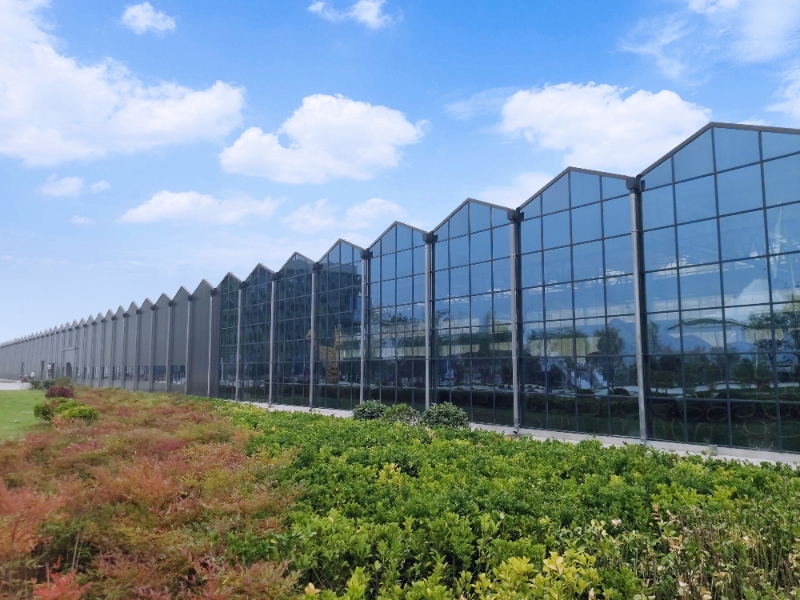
(403, 238)
(419, 259)
(442, 284)
(533, 207)
(745, 282)
(742, 236)
(459, 251)
(501, 242)
(502, 274)
(695, 199)
(657, 208)
(558, 302)
(441, 255)
(585, 188)
(661, 175)
(740, 189)
(532, 305)
(404, 263)
(662, 290)
(782, 180)
(481, 275)
(419, 288)
(697, 243)
(459, 281)
(531, 235)
(785, 274)
(531, 269)
(735, 147)
(388, 293)
(557, 265)
(388, 266)
(663, 335)
(778, 144)
(556, 197)
(480, 246)
(707, 422)
(783, 225)
(586, 224)
(405, 291)
(619, 255)
(480, 217)
(613, 187)
(459, 222)
(589, 299)
(617, 217)
(389, 241)
(588, 260)
(702, 331)
(619, 296)
(659, 249)
(700, 287)
(499, 217)
(556, 230)
(416, 238)
(695, 159)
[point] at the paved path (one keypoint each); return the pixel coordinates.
(12, 385)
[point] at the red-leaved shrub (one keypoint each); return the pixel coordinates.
(58, 391)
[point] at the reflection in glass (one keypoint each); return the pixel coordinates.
(735, 147)
(694, 159)
(695, 199)
(740, 190)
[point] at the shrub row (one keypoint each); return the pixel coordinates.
(444, 414)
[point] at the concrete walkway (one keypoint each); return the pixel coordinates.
(12, 385)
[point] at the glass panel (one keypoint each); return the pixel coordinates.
(700, 287)
(533, 207)
(782, 180)
(405, 290)
(480, 217)
(697, 243)
(783, 225)
(558, 302)
(694, 159)
(404, 263)
(500, 217)
(441, 255)
(657, 208)
(389, 241)
(619, 295)
(416, 238)
(419, 260)
(388, 266)
(403, 238)
(459, 281)
(790, 426)
(778, 144)
(588, 260)
(501, 241)
(666, 419)
(613, 187)
(785, 274)
(531, 235)
(660, 175)
(459, 251)
(584, 187)
(617, 217)
(557, 265)
(502, 274)
(735, 147)
(459, 222)
(388, 292)
(659, 249)
(586, 224)
(619, 255)
(442, 284)
(531, 269)
(742, 236)
(481, 246)
(664, 337)
(556, 230)
(754, 425)
(695, 199)
(662, 290)
(532, 305)
(481, 275)
(589, 299)
(745, 282)
(707, 422)
(702, 331)
(556, 197)
(740, 190)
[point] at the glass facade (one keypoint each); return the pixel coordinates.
(338, 328)
(721, 223)
(578, 351)
(396, 319)
(471, 317)
(293, 331)
(524, 317)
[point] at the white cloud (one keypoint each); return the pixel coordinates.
(366, 12)
(312, 217)
(66, 186)
(330, 137)
(601, 126)
(691, 38)
(100, 186)
(142, 18)
(789, 95)
(71, 186)
(483, 103)
(372, 211)
(79, 220)
(55, 109)
(166, 206)
(522, 187)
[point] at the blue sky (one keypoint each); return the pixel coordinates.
(148, 146)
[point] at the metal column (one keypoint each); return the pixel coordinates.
(272, 309)
(366, 255)
(515, 218)
(315, 269)
(635, 187)
(430, 239)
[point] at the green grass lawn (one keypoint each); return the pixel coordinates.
(16, 411)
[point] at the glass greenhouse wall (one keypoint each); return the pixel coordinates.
(663, 307)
